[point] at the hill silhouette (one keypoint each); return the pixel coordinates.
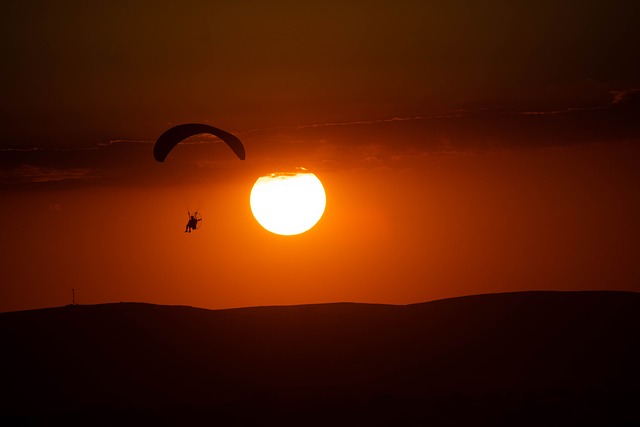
(525, 358)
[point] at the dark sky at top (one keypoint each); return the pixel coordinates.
(78, 73)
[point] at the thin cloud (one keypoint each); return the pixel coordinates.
(361, 122)
(457, 113)
(26, 173)
(625, 95)
(554, 112)
(454, 113)
(390, 141)
(126, 141)
(47, 149)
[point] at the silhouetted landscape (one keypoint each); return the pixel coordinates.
(524, 358)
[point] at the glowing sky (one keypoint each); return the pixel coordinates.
(465, 147)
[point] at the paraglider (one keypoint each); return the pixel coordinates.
(173, 136)
(194, 222)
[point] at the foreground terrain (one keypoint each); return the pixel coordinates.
(527, 358)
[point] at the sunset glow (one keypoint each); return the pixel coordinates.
(464, 147)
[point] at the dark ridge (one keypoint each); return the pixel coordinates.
(524, 358)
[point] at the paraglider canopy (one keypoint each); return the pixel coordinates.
(173, 136)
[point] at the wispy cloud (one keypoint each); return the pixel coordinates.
(554, 112)
(362, 122)
(126, 141)
(456, 113)
(625, 95)
(37, 174)
(379, 142)
(47, 149)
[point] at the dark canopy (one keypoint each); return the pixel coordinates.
(176, 134)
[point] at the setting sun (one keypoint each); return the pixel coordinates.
(288, 203)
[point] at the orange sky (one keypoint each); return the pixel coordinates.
(463, 150)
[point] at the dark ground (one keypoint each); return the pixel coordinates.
(517, 359)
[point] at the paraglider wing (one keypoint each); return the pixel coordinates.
(176, 134)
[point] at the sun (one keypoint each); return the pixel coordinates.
(288, 203)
